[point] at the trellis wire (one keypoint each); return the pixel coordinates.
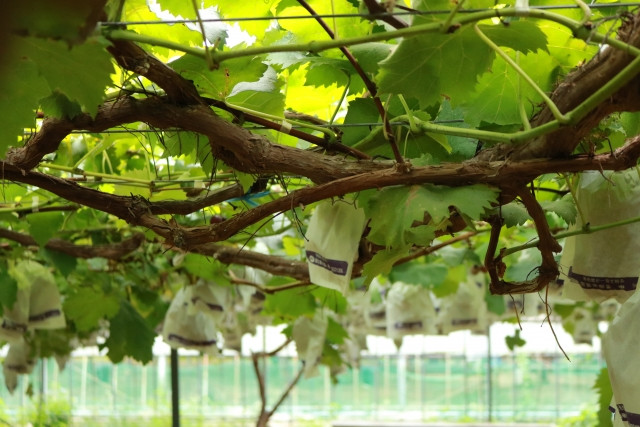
(335, 125)
(353, 15)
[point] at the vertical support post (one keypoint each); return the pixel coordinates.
(43, 387)
(143, 389)
(489, 377)
(175, 390)
(386, 374)
(327, 389)
(417, 367)
(556, 367)
(114, 388)
(402, 381)
(447, 379)
(204, 391)
(83, 382)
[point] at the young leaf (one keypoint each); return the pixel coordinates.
(564, 207)
(513, 214)
(515, 340)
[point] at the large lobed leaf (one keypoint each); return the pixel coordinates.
(398, 213)
(129, 335)
(435, 65)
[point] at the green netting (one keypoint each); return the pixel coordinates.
(523, 388)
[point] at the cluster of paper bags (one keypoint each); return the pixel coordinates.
(604, 267)
(200, 311)
(598, 267)
(37, 306)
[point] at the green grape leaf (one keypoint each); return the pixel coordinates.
(44, 225)
(389, 227)
(603, 386)
(382, 262)
(63, 19)
(21, 86)
(513, 214)
(138, 10)
(630, 122)
(219, 83)
(8, 289)
(496, 98)
(264, 102)
(59, 106)
(207, 268)
(90, 62)
(290, 303)
(564, 310)
(258, 9)
(88, 305)
(495, 303)
(331, 299)
(515, 340)
(427, 275)
(335, 332)
(64, 263)
(361, 110)
(461, 148)
(327, 71)
(129, 335)
(564, 207)
(177, 8)
(435, 65)
(526, 266)
(522, 36)
(341, 28)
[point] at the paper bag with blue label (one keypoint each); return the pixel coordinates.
(601, 265)
(466, 310)
(410, 311)
(332, 243)
(620, 346)
(185, 328)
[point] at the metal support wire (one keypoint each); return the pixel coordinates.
(176, 130)
(355, 15)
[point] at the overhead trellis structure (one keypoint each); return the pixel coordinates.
(149, 147)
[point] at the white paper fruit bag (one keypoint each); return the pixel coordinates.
(466, 310)
(19, 360)
(410, 311)
(603, 265)
(332, 243)
(621, 346)
(184, 328)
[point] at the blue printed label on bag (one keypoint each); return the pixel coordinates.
(335, 266)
